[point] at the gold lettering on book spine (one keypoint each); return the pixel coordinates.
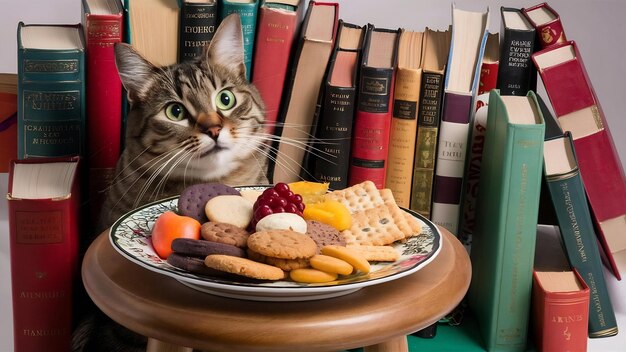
(51, 66)
(595, 112)
(104, 33)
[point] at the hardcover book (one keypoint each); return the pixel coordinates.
(331, 145)
(547, 23)
(102, 26)
(315, 44)
(372, 122)
(504, 239)
(51, 90)
(469, 37)
(518, 43)
(198, 22)
(567, 192)
(43, 199)
(248, 11)
(278, 25)
(8, 120)
(403, 131)
(435, 56)
(578, 110)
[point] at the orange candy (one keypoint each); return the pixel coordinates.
(330, 212)
(311, 192)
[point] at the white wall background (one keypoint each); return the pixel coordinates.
(598, 27)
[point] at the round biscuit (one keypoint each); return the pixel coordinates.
(284, 244)
(243, 267)
(224, 233)
(202, 248)
(192, 199)
(192, 264)
(230, 209)
(324, 234)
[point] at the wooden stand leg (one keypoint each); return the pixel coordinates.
(396, 344)
(155, 345)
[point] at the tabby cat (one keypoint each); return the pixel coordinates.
(189, 123)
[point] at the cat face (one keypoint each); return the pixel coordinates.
(198, 118)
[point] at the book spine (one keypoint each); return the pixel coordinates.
(371, 127)
(198, 22)
(450, 163)
(103, 90)
(276, 33)
(575, 223)
(51, 103)
(560, 318)
(402, 134)
(516, 69)
(335, 124)
(488, 77)
(248, 14)
(549, 33)
(431, 98)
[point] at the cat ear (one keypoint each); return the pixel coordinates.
(226, 48)
(134, 71)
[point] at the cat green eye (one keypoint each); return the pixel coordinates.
(175, 112)
(225, 100)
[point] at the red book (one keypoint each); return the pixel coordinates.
(547, 23)
(578, 110)
(277, 28)
(43, 197)
(103, 28)
(490, 65)
(560, 311)
(372, 122)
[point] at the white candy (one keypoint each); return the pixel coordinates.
(282, 221)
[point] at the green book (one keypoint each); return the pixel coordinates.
(247, 10)
(574, 219)
(51, 90)
(504, 239)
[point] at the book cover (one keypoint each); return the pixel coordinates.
(277, 29)
(487, 82)
(518, 43)
(152, 28)
(315, 44)
(43, 200)
(403, 130)
(198, 22)
(560, 297)
(51, 90)
(331, 144)
(568, 197)
(435, 56)
(578, 110)
(547, 24)
(372, 121)
(469, 37)
(248, 11)
(503, 245)
(102, 24)
(8, 120)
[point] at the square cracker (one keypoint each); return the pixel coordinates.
(359, 197)
(378, 226)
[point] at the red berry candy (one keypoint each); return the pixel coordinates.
(278, 199)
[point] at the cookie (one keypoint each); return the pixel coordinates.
(379, 226)
(244, 267)
(224, 233)
(250, 194)
(324, 234)
(202, 248)
(309, 275)
(230, 209)
(285, 264)
(192, 200)
(331, 264)
(352, 257)
(377, 253)
(192, 264)
(282, 221)
(284, 244)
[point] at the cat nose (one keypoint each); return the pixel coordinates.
(214, 132)
(210, 123)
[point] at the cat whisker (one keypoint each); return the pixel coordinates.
(154, 175)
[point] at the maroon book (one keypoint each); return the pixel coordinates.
(43, 230)
(578, 110)
(547, 23)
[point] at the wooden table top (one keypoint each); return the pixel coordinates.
(160, 307)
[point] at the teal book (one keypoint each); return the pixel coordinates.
(564, 181)
(248, 11)
(504, 239)
(51, 90)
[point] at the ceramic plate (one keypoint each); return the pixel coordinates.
(130, 236)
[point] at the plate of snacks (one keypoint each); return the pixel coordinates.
(283, 242)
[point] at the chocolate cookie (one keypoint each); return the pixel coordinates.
(192, 264)
(224, 233)
(192, 200)
(202, 248)
(324, 234)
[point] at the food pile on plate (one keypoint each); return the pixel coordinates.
(296, 231)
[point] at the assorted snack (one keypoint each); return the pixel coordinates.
(296, 231)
